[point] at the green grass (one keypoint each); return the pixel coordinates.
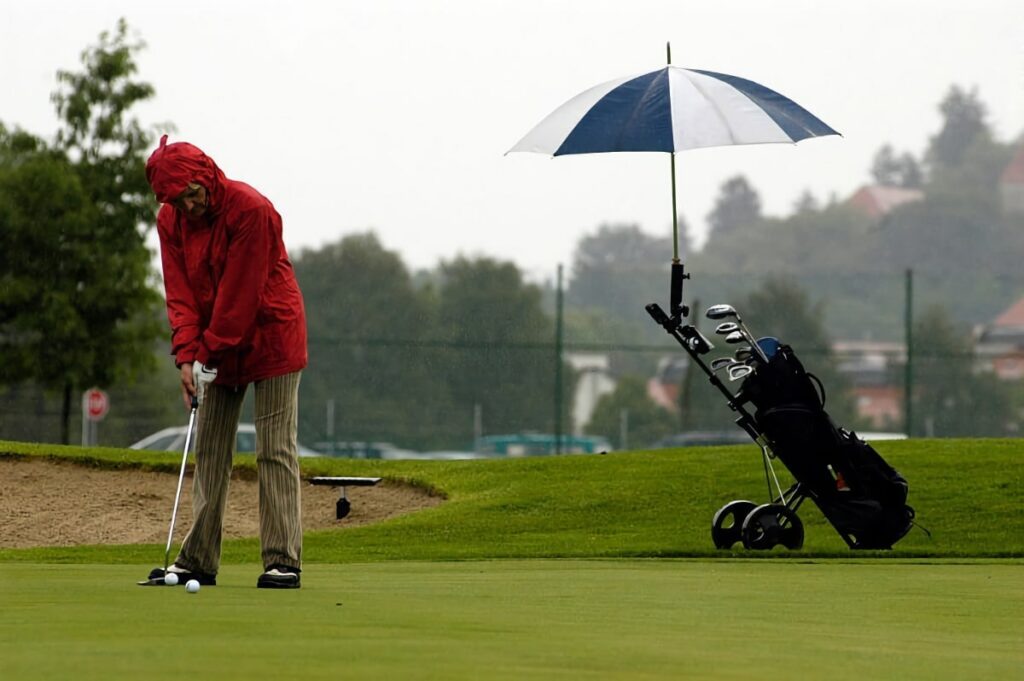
(554, 568)
(568, 619)
(968, 493)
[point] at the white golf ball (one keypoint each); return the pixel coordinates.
(192, 586)
(170, 579)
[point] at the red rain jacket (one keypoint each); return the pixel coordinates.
(232, 298)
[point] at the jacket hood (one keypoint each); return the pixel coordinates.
(171, 167)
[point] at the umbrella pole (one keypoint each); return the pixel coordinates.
(675, 213)
(676, 307)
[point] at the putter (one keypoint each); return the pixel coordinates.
(159, 581)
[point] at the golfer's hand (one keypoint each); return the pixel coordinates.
(188, 386)
(202, 376)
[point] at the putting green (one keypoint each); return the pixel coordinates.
(539, 619)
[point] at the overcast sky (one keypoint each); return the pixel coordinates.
(394, 115)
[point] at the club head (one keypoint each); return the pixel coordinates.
(726, 328)
(744, 354)
(721, 363)
(735, 337)
(738, 371)
(720, 311)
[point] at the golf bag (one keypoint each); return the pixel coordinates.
(782, 408)
(860, 494)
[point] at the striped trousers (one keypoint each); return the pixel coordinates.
(277, 467)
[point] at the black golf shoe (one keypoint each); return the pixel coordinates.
(279, 577)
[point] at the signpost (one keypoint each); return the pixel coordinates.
(95, 405)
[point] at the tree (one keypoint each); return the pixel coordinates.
(963, 126)
(736, 210)
(646, 422)
(366, 320)
(806, 203)
(498, 352)
(616, 272)
(78, 304)
(891, 170)
(950, 398)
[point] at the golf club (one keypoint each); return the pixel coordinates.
(177, 494)
(721, 363)
(181, 478)
(726, 328)
(744, 354)
(736, 337)
(738, 371)
(722, 311)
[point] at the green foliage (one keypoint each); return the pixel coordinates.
(963, 126)
(890, 170)
(499, 352)
(363, 315)
(615, 273)
(77, 300)
(412, 363)
(645, 421)
(950, 399)
(737, 211)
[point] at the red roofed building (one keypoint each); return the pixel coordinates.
(876, 201)
(1011, 183)
(1000, 344)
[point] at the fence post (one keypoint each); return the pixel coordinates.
(908, 367)
(558, 363)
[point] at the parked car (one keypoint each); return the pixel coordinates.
(704, 438)
(173, 439)
(364, 450)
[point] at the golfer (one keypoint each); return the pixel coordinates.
(237, 317)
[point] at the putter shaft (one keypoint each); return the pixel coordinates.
(181, 478)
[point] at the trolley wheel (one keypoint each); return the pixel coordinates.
(771, 524)
(728, 521)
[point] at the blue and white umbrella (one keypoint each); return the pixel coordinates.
(669, 110)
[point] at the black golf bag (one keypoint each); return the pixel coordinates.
(860, 494)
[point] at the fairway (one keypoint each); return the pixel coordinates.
(597, 619)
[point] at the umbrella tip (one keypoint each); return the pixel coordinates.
(668, 53)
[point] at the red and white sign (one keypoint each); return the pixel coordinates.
(95, 404)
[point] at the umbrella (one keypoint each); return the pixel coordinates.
(670, 110)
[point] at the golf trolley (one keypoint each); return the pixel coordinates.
(781, 407)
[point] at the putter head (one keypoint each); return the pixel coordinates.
(720, 311)
(726, 328)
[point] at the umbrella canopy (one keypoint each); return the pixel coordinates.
(669, 110)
